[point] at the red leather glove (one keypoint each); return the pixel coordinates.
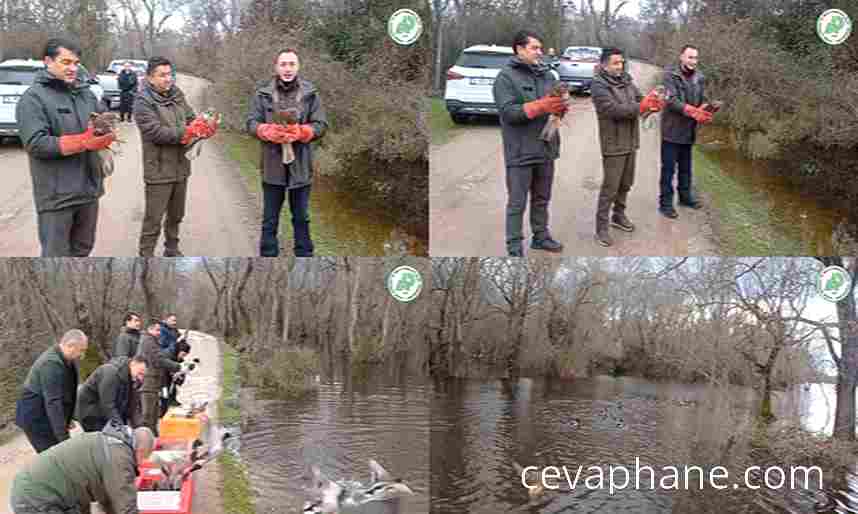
(697, 113)
(651, 102)
(545, 105)
(305, 133)
(198, 128)
(272, 133)
(77, 143)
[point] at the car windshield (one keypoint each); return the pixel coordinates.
(483, 60)
(582, 54)
(18, 76)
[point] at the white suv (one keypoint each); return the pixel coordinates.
(16, 76)
(470, 81)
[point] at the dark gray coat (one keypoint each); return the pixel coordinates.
(676, 126)
(300, 171)
(617, 101)
(49, 395)
(162, 118)
(516, 84)
(126, 343)
(48, 110)
(106, 393)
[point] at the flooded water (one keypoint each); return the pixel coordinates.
(340, 428)
(792, 209)
(481, 427)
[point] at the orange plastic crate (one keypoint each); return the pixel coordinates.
(183, 428)
(162, 502)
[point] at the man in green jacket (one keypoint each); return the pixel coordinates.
(160, 365)
(106, 394)
(53, 119)
(521, 92)
(167, 123)
(129, 337)
(618, 104)
(46, 406)
(92, 467)
(286, 90)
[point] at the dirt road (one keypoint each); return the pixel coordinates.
(218, 220)
(468, 193)
(203, 382)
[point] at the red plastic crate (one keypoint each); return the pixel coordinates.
(148, 475)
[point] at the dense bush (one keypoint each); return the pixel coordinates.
(292, 371)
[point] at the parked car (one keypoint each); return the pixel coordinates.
(16, 76)
(469, 82)
(576, 67)
(109, 82)
(139, 67)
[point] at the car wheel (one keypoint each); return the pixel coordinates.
(458, 118)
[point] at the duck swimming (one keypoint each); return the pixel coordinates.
(331, 497)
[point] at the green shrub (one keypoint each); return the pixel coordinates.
(292, 371)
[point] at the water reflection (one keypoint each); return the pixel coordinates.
(480, 428)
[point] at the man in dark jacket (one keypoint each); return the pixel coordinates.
(160, 365)
(172, 381)
(93, 467)
(618, 104)
(686, 108)
(521, 92)
(46, 406)
(129, 337)
(106, 394)
(53, 118)
(286, 90)
(167, 123)
(127, 81)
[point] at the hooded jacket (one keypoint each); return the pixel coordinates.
(92, 467)
(162, 118)
(617, 102)
(516, 84)
(299, 173)
(48, 110)
(106, 393)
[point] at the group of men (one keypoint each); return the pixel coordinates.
(133, 388)
(523, 94)
(118, 408)
(67, 168)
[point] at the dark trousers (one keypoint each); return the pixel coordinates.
(41, 441)
(68, 232)
(163, 199)
(675, 155)
(535, 180)
(126, 105)
(151, 404)
(299, 205)
(36, 506)
(618, 176)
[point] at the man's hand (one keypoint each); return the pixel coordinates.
(545, 105)
(651, 103)
(74, 424)
(273, 133)
(198, 128)
(697, 113)
(85, 141)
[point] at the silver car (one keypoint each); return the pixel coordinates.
(577, 66)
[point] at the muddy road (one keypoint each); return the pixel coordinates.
(220, 218)
(468, 193)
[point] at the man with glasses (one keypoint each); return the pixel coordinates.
(54, 121)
